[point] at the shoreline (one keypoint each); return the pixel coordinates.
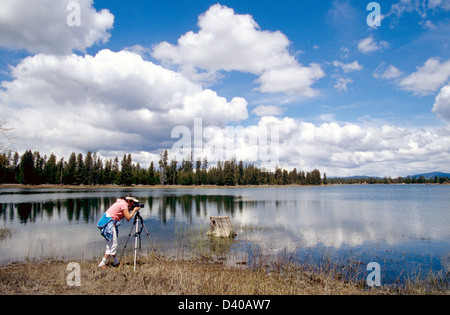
(83, 187)
(160, 275)
(181, 276)
(86, 187)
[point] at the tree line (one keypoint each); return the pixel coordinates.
(31, 168)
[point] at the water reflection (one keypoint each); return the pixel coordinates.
(378, 220)
(76, 210)
(88, 209)
(297, 218)
(192, 206)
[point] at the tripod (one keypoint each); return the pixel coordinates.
(138, 226)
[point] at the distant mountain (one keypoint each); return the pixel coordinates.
(356, 177)
(431, 175)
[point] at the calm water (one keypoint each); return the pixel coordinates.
(403, 228)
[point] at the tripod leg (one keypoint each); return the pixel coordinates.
(136, 242)
(148, 235)
(129, 235)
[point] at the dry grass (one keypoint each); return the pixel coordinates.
(158, 275)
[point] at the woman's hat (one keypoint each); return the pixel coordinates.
(131, 197)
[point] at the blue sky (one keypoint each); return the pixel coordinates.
(318, 32)
(347, 98)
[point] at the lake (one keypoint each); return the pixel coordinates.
(404, 228)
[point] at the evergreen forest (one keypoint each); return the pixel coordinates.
(31, 168)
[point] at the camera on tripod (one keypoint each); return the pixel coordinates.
(138, 226)
(137, 204)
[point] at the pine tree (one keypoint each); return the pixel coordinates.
(107, 172)
(27, 168)
(115, 172)
(60, 171)
(88, 169)
(278, 176)
(228, 173)
(293, 177)
(172, 172)
(98, 172)
(163, 166)
(38, 172)
(126, 177)
(219, 174)
(4, 168)
(240, 173)
(315, 177)
(186, 175)
(70, 169)
(15, 168)
(302, 178)
(205, 171)
(136, 173)
(198, 172)
(51, 170)
(151, 175)
(79, 170)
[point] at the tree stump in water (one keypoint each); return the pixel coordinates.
(221, 227)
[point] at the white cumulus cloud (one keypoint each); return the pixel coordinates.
(344, 149)
(389, 73)
(41, 26)
(369, 45)
(341, 83)
(228, 42)
(339, 149)
(268, 110)
(348, 67)
(109, 101)
(442, 105)
(427, 79)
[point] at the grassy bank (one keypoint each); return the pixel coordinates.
(159, 275)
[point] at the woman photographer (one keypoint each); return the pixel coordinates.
(109, 223)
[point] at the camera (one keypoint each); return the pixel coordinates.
(137, 204)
